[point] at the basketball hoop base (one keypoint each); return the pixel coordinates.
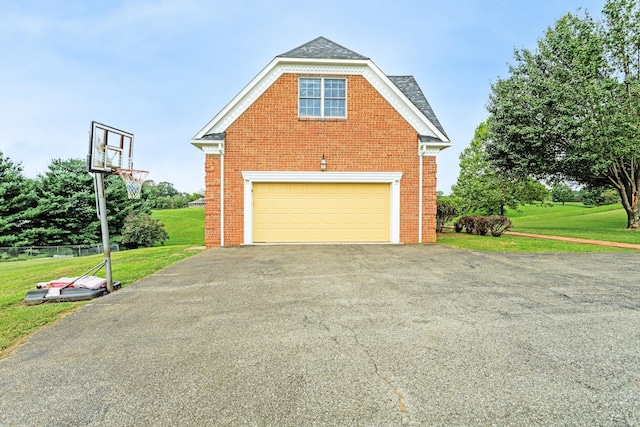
(133, 180)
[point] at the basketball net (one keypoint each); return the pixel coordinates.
(133, 180)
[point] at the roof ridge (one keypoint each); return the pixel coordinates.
(322, 47)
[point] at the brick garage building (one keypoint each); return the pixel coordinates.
(321, 146)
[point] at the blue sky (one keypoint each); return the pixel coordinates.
(163, 69)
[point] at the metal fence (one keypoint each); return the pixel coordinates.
(68, 251)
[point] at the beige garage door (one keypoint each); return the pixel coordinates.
(321, 212)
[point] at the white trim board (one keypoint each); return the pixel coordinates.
(320, 67)
(393, 178)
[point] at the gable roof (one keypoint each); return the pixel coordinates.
(409, 86)
(322, 48)
(323, 56)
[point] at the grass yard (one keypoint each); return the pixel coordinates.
(508, 243)
(185, 226)
(17, 321)
(576, 220)
(570, 220)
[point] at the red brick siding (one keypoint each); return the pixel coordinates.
(212, 201)
(429, 170)
(269, 136)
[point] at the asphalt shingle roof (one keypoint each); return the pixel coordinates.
(214, 136)
(322, 48)
(326, 49)
(409, 86)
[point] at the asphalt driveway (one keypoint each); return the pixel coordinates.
(344, 335)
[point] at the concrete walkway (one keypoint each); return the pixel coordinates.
(371, 335)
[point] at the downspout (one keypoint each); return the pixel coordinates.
(221, 199)
(420, 201)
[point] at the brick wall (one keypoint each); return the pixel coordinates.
(269, 136)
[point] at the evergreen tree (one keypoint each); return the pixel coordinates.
(66, 211)
(17, 195)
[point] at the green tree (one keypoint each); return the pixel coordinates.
(165, 196)
(65, 213)
(142, 230)
(611, 196)
(570, 110)
(17, 195)
(166, 189)
(597, 196)
(480, 187)
(199, 195)
(561, 193)
(66, 209)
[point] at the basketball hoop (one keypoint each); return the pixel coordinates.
(133, 180)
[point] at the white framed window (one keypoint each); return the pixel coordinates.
(322, 97)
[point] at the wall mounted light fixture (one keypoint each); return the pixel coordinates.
(323, 164)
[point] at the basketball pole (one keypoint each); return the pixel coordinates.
(104, 226)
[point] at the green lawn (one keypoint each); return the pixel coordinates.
(576, 220)
(185, 226)
(571, 220)
(17, 321)
(508, 243)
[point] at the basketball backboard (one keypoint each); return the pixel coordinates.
(109, 149)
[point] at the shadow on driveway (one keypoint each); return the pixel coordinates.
(344, 335)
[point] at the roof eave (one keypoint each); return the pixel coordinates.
(208, 145)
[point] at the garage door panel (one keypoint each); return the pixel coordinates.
(321, 212)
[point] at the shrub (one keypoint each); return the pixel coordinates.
(481, 225)
(465, 223)
(498, 224)
(472, 224)
(142, 230)
(447, 209)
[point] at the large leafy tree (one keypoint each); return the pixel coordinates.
(17, 195)
(570, 109)
(480, 187)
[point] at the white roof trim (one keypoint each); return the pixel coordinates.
(291, 176)
(432, 148)
(284, 65)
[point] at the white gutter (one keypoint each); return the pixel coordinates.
(222, 199)
(420, 202)
(215, 147)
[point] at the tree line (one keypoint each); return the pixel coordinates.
(58, 207)
(569, 112)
